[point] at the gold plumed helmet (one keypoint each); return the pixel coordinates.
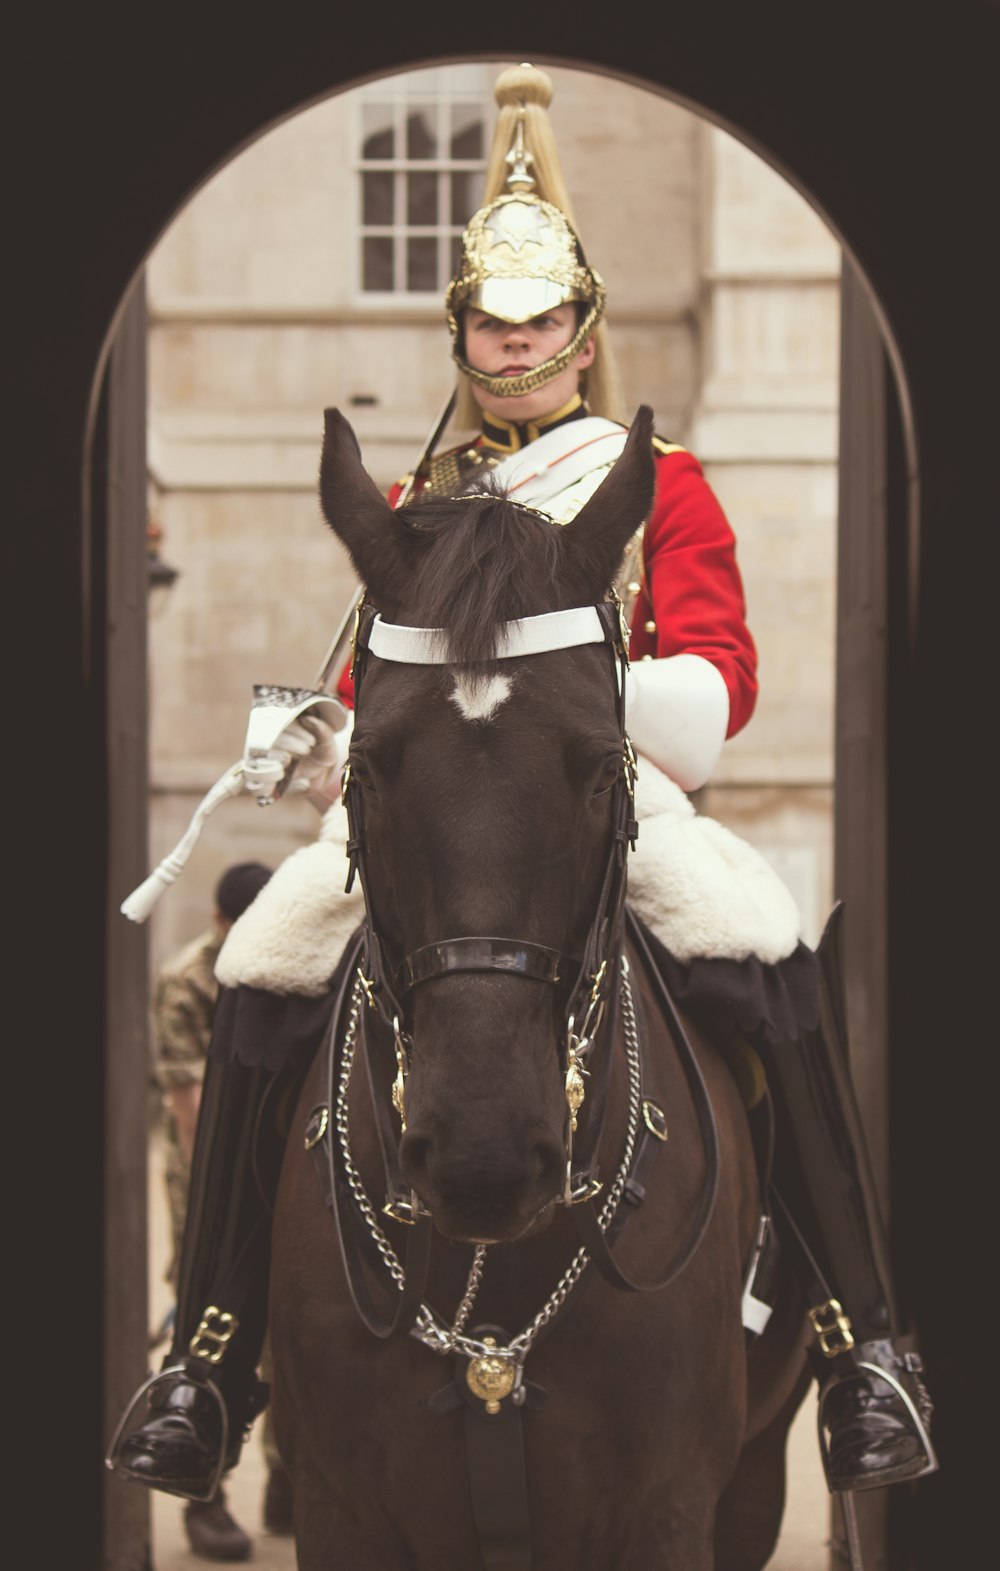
(521, 255)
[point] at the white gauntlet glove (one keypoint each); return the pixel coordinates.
(314, 756)
(677, 713)
(296, 749)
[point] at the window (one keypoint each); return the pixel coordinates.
(422, 145)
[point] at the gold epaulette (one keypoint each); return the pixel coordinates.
(447, 473)
(661, 446)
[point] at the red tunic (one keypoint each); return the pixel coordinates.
(691, 600)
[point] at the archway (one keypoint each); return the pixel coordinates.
(209, 297)
(855, 129)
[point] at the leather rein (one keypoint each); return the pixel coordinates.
(591, 1016)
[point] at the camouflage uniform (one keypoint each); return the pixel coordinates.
(186, 992)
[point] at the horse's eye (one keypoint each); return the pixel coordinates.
(610, 771)
(360, 770)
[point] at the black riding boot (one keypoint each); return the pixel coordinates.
(207, 1392)
(874, 1408)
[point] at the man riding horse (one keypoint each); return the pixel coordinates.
(537, 377)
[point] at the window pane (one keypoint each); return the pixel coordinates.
(456, 254)
(465, 189)
(421, 199)
(421, 140)
(376, 203)
(377, 135)
(377, 263)
(466, 131)
(421, 266)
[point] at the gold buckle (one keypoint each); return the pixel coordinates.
(401, 1211)
(368, 985)
(356, 630)
(631, 767)
(624, 631)
(216, 1330)
(316, 1126)
(655, 1119)
(832, 1327)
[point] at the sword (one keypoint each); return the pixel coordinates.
(333, 659)
(274, 709)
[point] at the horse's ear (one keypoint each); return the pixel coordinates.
(596, 538)
(358, 513)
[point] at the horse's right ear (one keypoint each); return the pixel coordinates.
(596, 538)
(358, 513)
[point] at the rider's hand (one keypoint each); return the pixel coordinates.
(309, 754)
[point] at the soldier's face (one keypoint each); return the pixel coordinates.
(511, 348)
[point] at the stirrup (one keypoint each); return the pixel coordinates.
(111, 1461)
(863, 1366)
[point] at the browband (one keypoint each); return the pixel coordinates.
(530, 635)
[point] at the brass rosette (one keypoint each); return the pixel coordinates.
(520, 258)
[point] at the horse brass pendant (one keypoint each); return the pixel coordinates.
(399, 1084)
(490, 1379)
(575, 1089)
(399, 1097)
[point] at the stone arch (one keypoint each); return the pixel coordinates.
(849, 127)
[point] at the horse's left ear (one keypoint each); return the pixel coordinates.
(359, 515)
(596, 538)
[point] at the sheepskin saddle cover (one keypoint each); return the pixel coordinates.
(704, 892)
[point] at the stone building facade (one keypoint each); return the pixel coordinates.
(306, 273)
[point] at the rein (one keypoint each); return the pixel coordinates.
(600, 624)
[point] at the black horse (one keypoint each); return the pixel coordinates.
(508, 1069)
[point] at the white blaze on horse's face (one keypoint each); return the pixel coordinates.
(480, 700)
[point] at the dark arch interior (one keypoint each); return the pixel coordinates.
(886, 124)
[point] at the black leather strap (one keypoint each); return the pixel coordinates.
(495, 1460)
(498, 1480)
(363, 1263)
(515, 956)
(585, 1215)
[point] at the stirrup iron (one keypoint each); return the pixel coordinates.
(863, 1366)
(111, 1461)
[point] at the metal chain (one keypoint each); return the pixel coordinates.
(469, 1297)
(358, 1190)
(430, 1329)
(426, 1320)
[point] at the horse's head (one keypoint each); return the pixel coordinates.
(484, 791)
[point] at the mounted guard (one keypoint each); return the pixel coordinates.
(538, 384)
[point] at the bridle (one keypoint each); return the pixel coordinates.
(588, 980)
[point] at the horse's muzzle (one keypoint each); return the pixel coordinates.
(484, 1194)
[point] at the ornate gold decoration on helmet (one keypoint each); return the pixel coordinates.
(522, 257)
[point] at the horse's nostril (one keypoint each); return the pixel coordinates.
(413, 1152)
(547, 1159)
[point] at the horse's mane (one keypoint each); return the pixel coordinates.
(484, 562)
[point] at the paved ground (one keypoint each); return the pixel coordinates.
(804, 1538)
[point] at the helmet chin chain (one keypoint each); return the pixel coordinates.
(539, 375)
